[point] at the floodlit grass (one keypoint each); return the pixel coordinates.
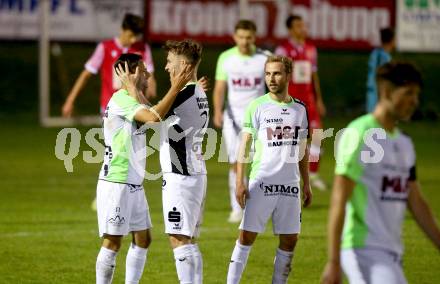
(50, 233)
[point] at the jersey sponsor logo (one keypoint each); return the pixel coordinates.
(202, 103)
(279, 189)
(284, 111)
(245, 83)
(273, 120)
(117, 220)
(282, 133)
(175, 217)
(393, 189)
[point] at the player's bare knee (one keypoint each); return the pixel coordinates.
(112, 242)
(288, 242)
(233, 167)
(247, 238)
(179, 240)
(142, 239)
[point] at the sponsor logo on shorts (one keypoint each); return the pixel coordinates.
(164, 182)
(279, 189)
(134, 188)
(176, 218)
(117, 220)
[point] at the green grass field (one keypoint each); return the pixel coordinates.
(49, 232)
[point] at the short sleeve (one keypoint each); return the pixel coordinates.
(148, 59)
(304, 132)
(125, 105)
(95, 61)
(347, 154)
(250, 123)
(220, 71)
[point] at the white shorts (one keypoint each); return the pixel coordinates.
(121, 208)
(231, 136)
(281, 202)
(372, 266)
(183, 199)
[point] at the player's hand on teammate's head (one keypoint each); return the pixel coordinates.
(180, 79)
(127, 79)
(204, 83)
(307, 195)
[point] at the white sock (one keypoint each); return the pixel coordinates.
(184, 257)
(232, 180)
(239, 258)
(135, 263)
(105, 266)
(198, 265)
(282, 266)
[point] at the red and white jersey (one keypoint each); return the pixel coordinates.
(103, 58)
(304, 64)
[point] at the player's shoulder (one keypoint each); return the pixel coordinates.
(263, 52)
(230, 52)
(363, 123)
(259, 102)
(108, 42)
(405, 137)
(300, 103)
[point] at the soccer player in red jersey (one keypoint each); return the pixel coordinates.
(103, 58)
(304, 84)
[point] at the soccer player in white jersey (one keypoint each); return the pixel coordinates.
(240, 72)
(182, 163)
(121, 204)
(375, 181)
(277, 125)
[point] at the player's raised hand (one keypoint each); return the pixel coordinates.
(179, 80)
(241, 194)
(332, 274)
(204, 83)
(307, 195)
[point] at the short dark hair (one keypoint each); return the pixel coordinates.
(132, 60)
(291, 18)
(386, 35)
(286, 61)
(133, 23)
(399, 74)
(245, 25)
(191, 49)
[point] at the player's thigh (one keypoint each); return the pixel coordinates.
(258, 209)
(286, 217)
(182, 198)
(140, 219)
(113, 208)
(203, 185)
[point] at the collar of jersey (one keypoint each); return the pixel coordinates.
(124, 92)
(254, 50)
(391, 135)
(280, 103)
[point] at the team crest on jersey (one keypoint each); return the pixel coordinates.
(279, 189)
(114, 53)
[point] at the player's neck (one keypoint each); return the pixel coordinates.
(385, 118)
(387, 47)
(298, 41)
(281, 97)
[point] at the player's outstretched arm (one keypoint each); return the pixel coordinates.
(152, 87)
(422, 213)
(341, 192)
(67, 108)
(218, 101)
(242, 192)
(319, 101)
(304, 171)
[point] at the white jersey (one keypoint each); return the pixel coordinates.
(125, 145)
(245, 79)
(378, 203)
(277, 129)
(183, 131)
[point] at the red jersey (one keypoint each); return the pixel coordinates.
(103, 58)
(304, 64)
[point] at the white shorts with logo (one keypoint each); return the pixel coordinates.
(372, 266)
(281, 202)
(183, 199)
(231, 136)
(121, 208)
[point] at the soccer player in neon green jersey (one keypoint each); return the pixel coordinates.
(240, 72)
(277, 125)
(375, 181)
(121, 204)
